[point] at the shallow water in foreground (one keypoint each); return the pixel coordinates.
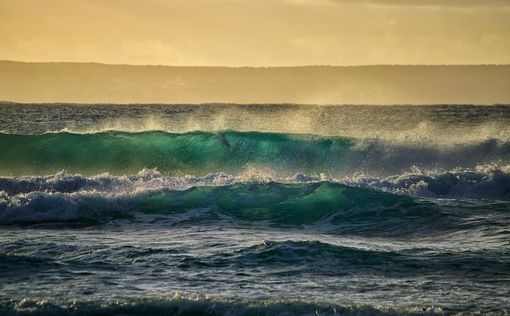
(377, 218)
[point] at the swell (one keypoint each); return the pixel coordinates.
(318, 258)
(284, 259)
(299, 256)
(321, 206)
(483, 182)
(201, 153)
(202, 305)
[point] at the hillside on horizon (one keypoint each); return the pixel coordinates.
(65, 82)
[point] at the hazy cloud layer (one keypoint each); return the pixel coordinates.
(412, 3)
(258, 32)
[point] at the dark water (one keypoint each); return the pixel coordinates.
(254, 209)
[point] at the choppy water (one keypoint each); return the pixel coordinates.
(254, 209)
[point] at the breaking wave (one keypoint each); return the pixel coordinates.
(202, 153)
(202, 305)
(298, 202)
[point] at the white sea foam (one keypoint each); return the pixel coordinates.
(64, 196)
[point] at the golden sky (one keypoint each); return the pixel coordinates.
(257, 32)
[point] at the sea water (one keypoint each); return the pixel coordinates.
(254, 209)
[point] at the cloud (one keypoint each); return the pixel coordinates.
(460, 4)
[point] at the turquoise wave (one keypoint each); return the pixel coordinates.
(290, 204)
(195, 153)
(322, 206)
(201, 153)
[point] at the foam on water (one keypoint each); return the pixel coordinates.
(366, 207)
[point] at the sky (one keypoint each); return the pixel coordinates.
(256, 32)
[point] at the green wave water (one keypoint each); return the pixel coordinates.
(173, 154)
(202, 153)
(339, 207)
(343, 208)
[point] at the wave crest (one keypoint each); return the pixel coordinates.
(204, 305)
(325, 206)
(202, 153)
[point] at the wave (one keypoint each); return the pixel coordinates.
(320, 206)
(318, 257)
(201, 305)
(201, 153)
(482, 182)
(298, 257)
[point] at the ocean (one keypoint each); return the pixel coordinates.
(224, 209)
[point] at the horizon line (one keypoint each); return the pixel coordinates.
(6, 102)
(239, 67)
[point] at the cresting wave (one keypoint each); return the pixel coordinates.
(280, 179)
(202, 305)
(219, 199)
(296, 200)
(202, 153)
(264, 203)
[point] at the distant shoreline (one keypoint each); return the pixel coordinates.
(247, 66)
(95, 83)
(4, 103)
